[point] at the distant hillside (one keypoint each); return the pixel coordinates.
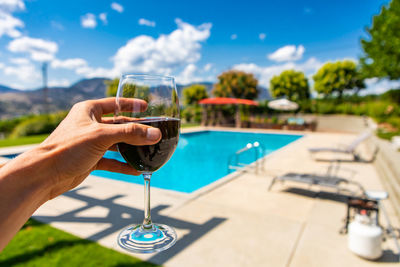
(5, 89)
(264, 93)
(208, 86)
(14, 103)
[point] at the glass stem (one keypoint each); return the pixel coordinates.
(147, 223)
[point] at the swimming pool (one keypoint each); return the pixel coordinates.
(202, 158)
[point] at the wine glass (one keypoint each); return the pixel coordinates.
(162, 112)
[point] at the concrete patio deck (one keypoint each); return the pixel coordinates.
(237, 222)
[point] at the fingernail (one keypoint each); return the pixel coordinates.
(153, 133)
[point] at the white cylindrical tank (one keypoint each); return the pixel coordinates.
(365, 238)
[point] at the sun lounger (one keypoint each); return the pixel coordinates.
(349, 149)
(320, 180)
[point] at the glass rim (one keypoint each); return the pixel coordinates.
(147, 76)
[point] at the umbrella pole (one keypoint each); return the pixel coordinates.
(237, 120)
(219, 118)
(204, 118)
(214, 115)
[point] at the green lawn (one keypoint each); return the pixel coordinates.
(189, 124)
(26, 140)
(38, 244)
(36, 139)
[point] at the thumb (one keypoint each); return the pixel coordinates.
(130, 133)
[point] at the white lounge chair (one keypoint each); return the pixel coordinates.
(339, 183)
(349, 149)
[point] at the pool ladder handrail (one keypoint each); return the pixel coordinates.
(259, 156)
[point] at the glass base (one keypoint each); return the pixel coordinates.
(138, 240)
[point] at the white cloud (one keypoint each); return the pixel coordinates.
(147, 22)
(208, 67)
(59, 83)
(376, 86)
(162, 55)
(56, 25)
(89, 72)
(192, 74)
(312, 64)
(2, 65)
(71, 63)
(262, 36)
(103, 18)
(27, 73)
(264, 74)
(287, 53)
(146, 54)
(89, 21)
(234, 36)
(187, 75)
(9, 25)
(12, 5)
(20, 61)
(38, 49)
(117, 7)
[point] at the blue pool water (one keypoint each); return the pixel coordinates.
(202, 158)
(10, 156)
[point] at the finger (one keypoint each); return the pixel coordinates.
(113, 165)
(130, 133)
(118, 119)
(107, 120)
(109, 105)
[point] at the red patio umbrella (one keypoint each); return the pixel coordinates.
(227, 101)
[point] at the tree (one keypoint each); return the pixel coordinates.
(236, 84)
(291, 84)
(112, 87)
(131, 90)
(382, 48)
(337, 77)
(194, 93)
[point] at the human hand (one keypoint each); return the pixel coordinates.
(77, 146)
(66, 158)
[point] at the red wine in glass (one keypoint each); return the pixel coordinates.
(150, 158)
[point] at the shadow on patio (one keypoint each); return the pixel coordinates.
(118, 220)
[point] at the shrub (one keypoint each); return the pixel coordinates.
(7, 126)
(325, 107)
(186, 114)
(379, 109)
(40, 124)
(192, 113)
(375, 109)
(392, 96)
(274, 120)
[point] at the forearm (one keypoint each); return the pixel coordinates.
(23, 188)
(66, 158)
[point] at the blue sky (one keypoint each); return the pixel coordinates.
(192, 40)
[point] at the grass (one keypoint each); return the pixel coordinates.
(38, 244)
(36, 139)
(189, 124)
(387, 135)
(26, 140)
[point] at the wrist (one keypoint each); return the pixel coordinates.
(23, 189)
(25, 175)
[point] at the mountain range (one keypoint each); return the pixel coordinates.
(15, 103)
